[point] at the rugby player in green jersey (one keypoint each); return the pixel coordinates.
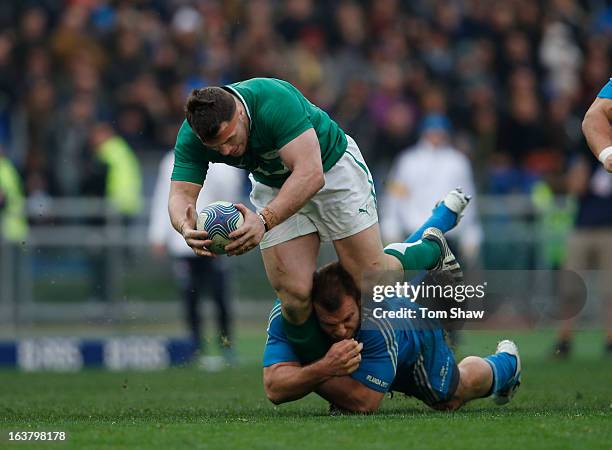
(310, 183)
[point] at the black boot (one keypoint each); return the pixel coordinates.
(562, 349)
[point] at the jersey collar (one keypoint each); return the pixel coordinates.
(242, 100)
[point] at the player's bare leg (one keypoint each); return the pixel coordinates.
(566, 330)
(363, 253)
(498, 375)
(289, 267)
(475, 380)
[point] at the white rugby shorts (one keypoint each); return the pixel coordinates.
(345, 206)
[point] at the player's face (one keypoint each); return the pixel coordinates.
(341, 324)
(231, 140)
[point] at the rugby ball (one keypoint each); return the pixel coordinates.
(219, 219)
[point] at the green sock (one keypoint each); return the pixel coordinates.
(422, 254)
(307, 340)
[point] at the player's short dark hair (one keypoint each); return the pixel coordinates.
(206, 108)
(330, 283)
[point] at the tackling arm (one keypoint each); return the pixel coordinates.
(349, 394)
(288, 381)
(597, 129)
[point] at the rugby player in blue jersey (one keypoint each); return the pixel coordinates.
(363, 364)
(597, 126)
(589, 244)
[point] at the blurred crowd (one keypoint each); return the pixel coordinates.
(514, 77)
(90, 90)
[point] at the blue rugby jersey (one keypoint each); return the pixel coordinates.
(606, 91)
(387, 357)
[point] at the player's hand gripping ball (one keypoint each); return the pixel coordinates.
(219, 219)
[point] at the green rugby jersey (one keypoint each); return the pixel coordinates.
(278, 113)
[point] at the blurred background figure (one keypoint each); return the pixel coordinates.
(112, 172)
(13, 222)
(122, 184)
(13, 226)
(590, 243)
(196, 275)
(421, 176)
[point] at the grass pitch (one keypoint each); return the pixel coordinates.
(561, 404)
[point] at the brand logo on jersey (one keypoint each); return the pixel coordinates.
(377, 381)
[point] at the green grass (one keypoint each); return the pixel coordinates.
(565, 404)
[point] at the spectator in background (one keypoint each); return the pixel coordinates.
(131, 57)
(394, 136)
(13, 224)
(70, 136)
(123, 181)
(193, 274)
(8, 79)
(561, 56)
(521, 134)
(32, 125)
(421, 176)
(393, 114)
(352, 112)
(112, 172)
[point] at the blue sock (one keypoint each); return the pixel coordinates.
(441, 217)
(503, 366)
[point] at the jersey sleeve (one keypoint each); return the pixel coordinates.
(606, 91)
(277, 349)
(190, 161)
(378, 359)
(285, 117)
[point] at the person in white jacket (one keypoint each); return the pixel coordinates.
(422, 175)
(194, 275)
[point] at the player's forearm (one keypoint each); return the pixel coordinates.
(349, 394)
(300, 187)
(181, 196)
(177, 204)
(596, 128)
(288, 383)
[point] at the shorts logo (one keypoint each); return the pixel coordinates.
(364, 209)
